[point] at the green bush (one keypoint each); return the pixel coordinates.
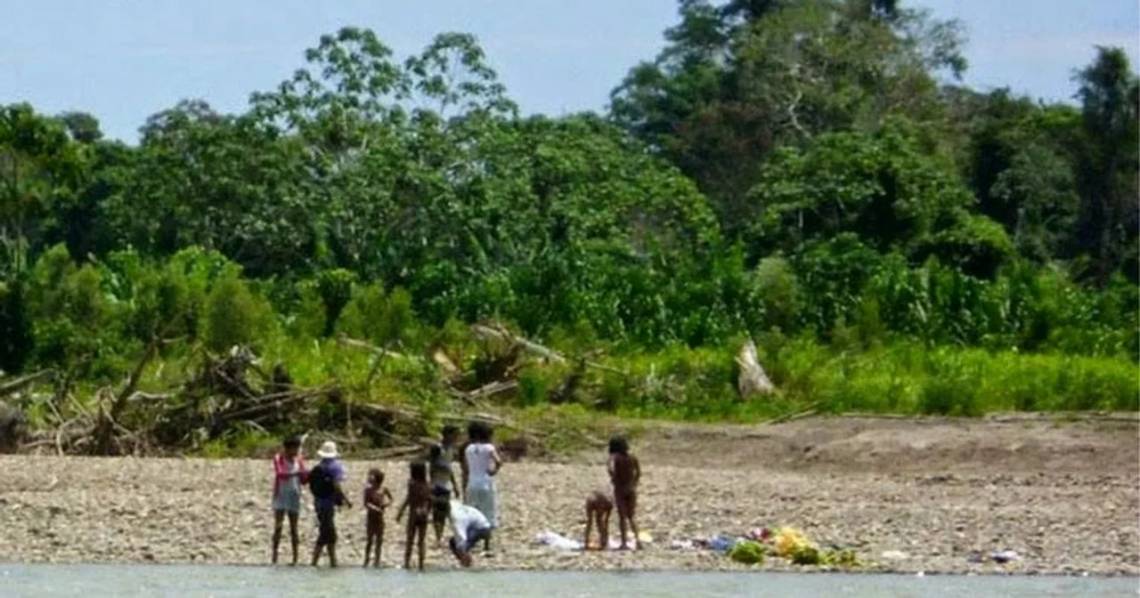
(747, 552)
(234, 314)
(384, 319)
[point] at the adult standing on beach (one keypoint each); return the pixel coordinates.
(288, 475)
(442, 479)
(483, 463)
(325, 483)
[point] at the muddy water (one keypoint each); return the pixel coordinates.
(222, 581)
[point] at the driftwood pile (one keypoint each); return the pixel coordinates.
(226, 391)
(232, 391)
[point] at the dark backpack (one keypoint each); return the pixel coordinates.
(321, 483)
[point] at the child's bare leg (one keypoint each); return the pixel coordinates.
(409, 543)
(293, 537)
(379, 545)
(438, 525)
(316, 554)
(422, 533)
(487, 542)
(368, 550)
(589, 524)
(332, 555)
(278, 519)
(636, 534)
(622, 523)
(604, 529)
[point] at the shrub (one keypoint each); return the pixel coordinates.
(234, 314)
(383, 319)
(747, 552)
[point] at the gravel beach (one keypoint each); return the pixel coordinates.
(907, 495)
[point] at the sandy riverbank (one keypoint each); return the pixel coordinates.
(1063, 495)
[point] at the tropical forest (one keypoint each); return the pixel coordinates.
(794, 207)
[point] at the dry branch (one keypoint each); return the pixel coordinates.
(10, 386)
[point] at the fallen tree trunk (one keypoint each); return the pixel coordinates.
(487, 390)
(108, 418)
(501, 334)
(367, 346)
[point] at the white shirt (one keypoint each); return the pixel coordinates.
(479, 458)
(464, 518)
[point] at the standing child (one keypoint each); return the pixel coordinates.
(288, 475)
(625, 473)
(376, 499)
(442, 479)
(418, 501)
(325, 483)
(483, 463)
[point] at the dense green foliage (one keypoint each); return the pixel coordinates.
(797, 172)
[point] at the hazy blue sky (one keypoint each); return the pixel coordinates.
(123, 60)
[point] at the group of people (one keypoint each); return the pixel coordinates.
(433, 495)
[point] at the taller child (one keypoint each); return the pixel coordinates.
(442, 479)
(288, 475)
(625, 473)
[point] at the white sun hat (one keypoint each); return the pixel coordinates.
(328, 450)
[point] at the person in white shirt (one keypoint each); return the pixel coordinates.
(469, 526)
(483, 463)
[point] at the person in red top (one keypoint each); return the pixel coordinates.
(289, 475)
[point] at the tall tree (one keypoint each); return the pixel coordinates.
(1110, 99)
(735, 82)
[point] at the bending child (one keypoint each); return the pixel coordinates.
(625, 473)
(469, 526)
(418, 501)
(376, 499)
(598, 510)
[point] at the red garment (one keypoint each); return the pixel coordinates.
(281, 470)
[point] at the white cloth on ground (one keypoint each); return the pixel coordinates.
(557, 541)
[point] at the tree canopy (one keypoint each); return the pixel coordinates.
(805, 167)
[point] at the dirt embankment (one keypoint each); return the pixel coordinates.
(1062, 494)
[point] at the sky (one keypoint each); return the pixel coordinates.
(123, 60)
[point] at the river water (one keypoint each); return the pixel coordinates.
(89, 581)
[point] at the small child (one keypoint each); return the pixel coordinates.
(418, 501)
(376, 499)
(625, 473)
(483, 463)
(288, 475)
(598, 510)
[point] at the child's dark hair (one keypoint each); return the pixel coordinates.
(449, 431)
(619, 446)
(291, 442)
(418, 471)
(376, 474)
(435, 452)
(478, 431)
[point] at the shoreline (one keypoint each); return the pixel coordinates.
(1064, 497)
(739, 569)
